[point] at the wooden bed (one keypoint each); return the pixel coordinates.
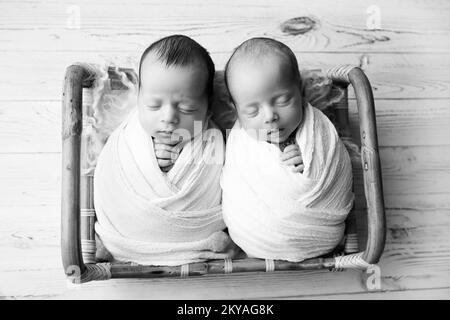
(78, 244)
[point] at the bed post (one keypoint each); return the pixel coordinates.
(371, 166)
(75, 79)
(369, 158)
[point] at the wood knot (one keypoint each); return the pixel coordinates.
(299, 25)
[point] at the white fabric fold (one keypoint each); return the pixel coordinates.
(274, 213)
(150, 217)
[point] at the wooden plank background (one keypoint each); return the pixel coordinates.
(407, 61)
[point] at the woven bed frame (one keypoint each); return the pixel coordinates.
(77, 205)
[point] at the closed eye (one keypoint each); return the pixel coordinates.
(186, 108)
(251, 111)
(283, 100)
(153, 107)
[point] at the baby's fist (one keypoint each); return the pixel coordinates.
(166, 154)
(291, 156)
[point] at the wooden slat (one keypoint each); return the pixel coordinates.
(417, 253)
(393, 76)
(38, 239)
(342, 26)
(30, 180)
(30, 238)
(407, 62)
(420, 294)
(417, 256)
(51, 285)
(30, 127)
(238, 286)
(405, 123)
(36, 126)
(412, 173)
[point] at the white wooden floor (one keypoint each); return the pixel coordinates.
(407, 60)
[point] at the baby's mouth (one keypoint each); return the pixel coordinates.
(274, 131)
(169, 135)
(165, 133)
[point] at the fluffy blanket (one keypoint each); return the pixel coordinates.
(150, 217)
(274, 213)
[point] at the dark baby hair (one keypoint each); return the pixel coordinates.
(180, 50)
(261, 46)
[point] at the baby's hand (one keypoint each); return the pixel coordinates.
(292, 156)
(166, 154)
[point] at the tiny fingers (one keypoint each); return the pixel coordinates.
(297, 160)
(300, 168)
(290, 155)
(163, 146)
(164, 162)
(172, 141)
(291, 147)
(165, 154)
(290, 151)
(166, 169)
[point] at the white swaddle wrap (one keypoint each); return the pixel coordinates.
(274, 213)
(155, 218)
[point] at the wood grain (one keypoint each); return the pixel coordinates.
(39, 76)
(43, 26)
(418, 294)
(407, 61)
(35, 127)
(417, 256)
(34, 179)
(257, 285)
(405, 123)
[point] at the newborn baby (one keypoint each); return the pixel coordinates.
(156, 184)
(287, 179)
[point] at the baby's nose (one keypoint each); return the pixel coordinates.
(170, 114)
(270, 115)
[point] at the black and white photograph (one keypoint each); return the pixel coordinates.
(222, 150)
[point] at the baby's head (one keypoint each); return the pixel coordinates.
(264, 83)
(176, 77)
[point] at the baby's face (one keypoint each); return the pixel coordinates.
(171, 99)
(268, 102)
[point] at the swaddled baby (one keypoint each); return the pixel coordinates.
(157, 181)
(287, 179)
